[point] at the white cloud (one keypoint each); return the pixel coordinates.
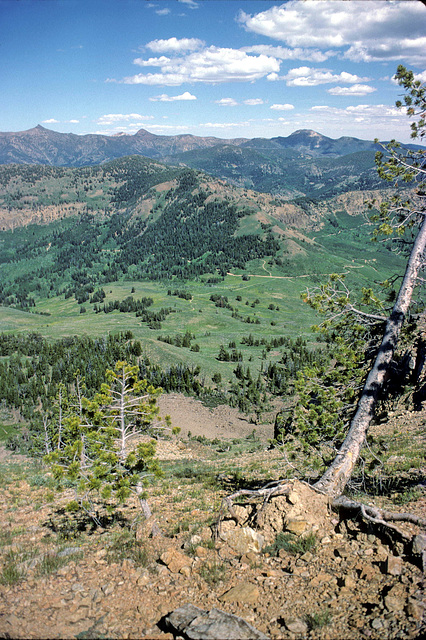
(354, 90)
(168, 128)
(190, 3)
(175, 45)
(112, 118)
(369, 31)
(420, 76)
(50, 121)
(283, 53)
(165, 98)
(252, 102)
(73, 121)
(152, 62)
(371, 112)
(309, 77)
(209, 65)
(227, 102)
(225, 125)
(162, 12)
(366, 121)
(282, 107)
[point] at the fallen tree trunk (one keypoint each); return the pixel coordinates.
(339, 472)
(337, 475)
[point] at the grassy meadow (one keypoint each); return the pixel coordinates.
(266, 299)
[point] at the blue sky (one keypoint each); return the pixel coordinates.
(224, 68)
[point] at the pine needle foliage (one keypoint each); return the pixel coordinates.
(95, 452)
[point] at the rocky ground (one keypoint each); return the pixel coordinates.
(333, 580)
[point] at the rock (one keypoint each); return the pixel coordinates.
(296, 625)
(393, 603)
(349, 582)
(419, 549)
(415, 609)
(419, 544)
(249, 558)
(377, 623)
(293, 497)
(243, 539)
(175, 561)
(197, 624)
(393, 566)
(296, 526)
(320, 578)
(206, 534)
(244, 592)
(366, 571)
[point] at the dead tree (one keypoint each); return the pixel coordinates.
(400, 216)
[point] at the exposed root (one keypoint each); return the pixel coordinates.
(376, 515)
(345, 507)
(270, 490)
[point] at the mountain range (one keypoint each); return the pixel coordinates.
(44, 146)
(305, 163)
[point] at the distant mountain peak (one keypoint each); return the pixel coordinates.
(307, 132)
(38, 129)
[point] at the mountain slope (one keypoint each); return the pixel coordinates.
(70, 230)
(286, 171)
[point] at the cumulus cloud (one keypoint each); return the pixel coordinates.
(282, 107)
(165, 98)
(112, 118)
(364, 111)
(354, 90)
(175, 45)
(189, 3)
(420, 76)
(283, 53)
(51, 121)
(252, 102)
(227, 102)
(366, 121)
(209, 65)
(373, 31)
(309, 77)
(225, 125)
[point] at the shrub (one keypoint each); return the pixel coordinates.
(291, 544)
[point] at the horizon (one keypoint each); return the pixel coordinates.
(210, 68)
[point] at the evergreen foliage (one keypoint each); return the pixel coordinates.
(90, 446)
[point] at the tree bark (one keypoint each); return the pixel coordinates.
(339, 472)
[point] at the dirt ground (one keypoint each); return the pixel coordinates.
(221, 422)
(353, 584)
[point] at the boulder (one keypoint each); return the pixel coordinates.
(243, 539)
(175, 561)
(245, 592)
(193, 623)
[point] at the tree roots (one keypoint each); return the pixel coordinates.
(380, 520)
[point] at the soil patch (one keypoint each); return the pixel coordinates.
(220, 422)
